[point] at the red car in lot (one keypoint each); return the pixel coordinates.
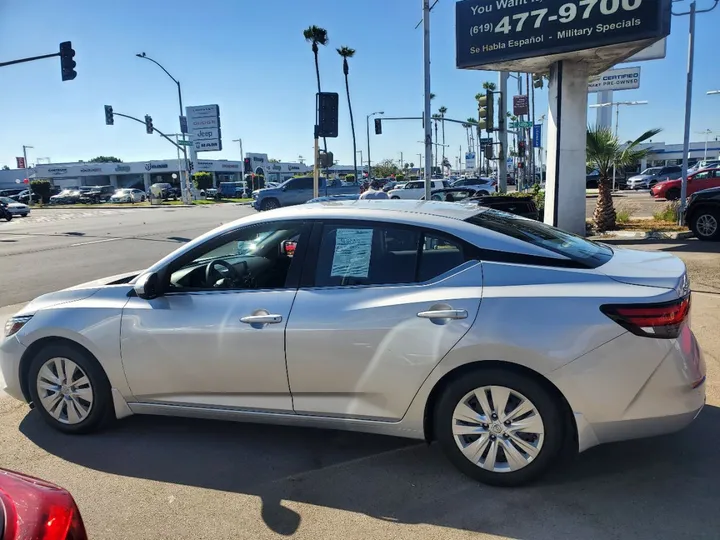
(703, 179)
(33, 509)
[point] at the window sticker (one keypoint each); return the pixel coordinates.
(352, 253)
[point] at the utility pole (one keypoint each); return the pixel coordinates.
(401, 160)
(428, 118)
(27, 173)
(502, 132)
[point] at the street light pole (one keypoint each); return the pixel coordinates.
(27, 173)
(184, 186)
(426, 115)
(367, 125)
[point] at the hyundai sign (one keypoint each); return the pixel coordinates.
(496, 34)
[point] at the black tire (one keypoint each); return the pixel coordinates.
(395, 197)
(23, 215)
(143, 198)
(652, 184)
(270, 204)
(481, 193)
(701, 219)
(672, 194)
(546, 405)
(102, 408)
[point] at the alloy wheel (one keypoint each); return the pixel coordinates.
(498, 429)
(706, 225)
(65, 391)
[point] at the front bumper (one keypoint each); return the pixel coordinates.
(11, 351)
(620, 391)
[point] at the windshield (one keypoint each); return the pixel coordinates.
(588, 254)
(6, 200)
(651, 171)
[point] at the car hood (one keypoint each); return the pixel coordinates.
(75, 293)
(16, 205)
(640, 177)
(646, 268)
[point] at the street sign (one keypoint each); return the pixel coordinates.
(184, 143)
(493, 35)
(203, 123)
(522, 125)
(470, 160)
(484, 141)
(615, 79)
(537, 136)
(521, 105)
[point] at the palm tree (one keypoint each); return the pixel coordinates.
(489, 86)
(317, 36)
(603, 151)
(442, 110)
(347, 52)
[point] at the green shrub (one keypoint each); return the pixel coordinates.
(624, 212)
(350, 178)
(41, 188)
(203, 180)
(399, 177)
(669, 212)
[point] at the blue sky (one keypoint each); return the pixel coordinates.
(249, 56)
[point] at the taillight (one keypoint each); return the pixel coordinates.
(662, 320)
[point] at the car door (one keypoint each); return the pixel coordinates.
(700, 181)
(714, 180)
(214, 340)
(298, 191)
(380, 304)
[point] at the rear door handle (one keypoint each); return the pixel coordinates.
(261, 319)
(444, 314)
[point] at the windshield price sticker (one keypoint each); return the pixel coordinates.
(491, 31)
(352, 253)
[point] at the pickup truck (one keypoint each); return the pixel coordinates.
(298, 191)
(416, 189)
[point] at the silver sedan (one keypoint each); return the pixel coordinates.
(504, 339)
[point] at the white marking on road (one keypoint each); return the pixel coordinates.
(95, 242)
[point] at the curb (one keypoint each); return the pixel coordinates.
(644, 235)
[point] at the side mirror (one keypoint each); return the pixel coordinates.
(147, 286)
(284, 188)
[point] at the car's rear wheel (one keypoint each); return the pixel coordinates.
(499, 427)
(672, 194)
(270, 204)
(69, 389)
(395, 197)
(705, 223)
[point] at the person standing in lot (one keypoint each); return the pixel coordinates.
(374, 192)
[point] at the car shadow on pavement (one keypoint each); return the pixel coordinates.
(664, 487)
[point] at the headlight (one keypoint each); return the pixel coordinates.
(14, 324)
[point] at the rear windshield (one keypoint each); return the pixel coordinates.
(584, 252)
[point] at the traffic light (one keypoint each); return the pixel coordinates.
(488, 149)
(521, 148)
(378, 126)
(247, 168)
(326, 159)
(67, 64)
(328, 114)
(148, 124)
(109, 119)
(486, 112)
(537, 80)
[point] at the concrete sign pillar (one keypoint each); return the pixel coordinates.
(566, 144)
(604, 114)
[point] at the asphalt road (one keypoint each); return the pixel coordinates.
(160, 478)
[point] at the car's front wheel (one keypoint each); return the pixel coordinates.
(270, 204)
(69, 389)
(705, 223)
(672, 194)
(499, 427)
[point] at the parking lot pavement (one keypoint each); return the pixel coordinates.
(158, 478)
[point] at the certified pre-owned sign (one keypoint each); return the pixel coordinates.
(491, 32)
(615, 79)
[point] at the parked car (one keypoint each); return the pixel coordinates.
(520, 206)
(14, 207)
(234, 190)
(392, 317)
(166, 190)
(649, 177)
(393, 185)
(703, 179)
(97, 194)
(489, 184)
(703, 214)
(11, 192)
(128, 195)
(24, 196)
(66, 196)
(592, 179)
(32, 509)
(330, 198)
(455, 194)
(5, 213)
(704, 164)
(299, 190)
(416, 189)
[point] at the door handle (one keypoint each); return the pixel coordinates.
(444, 314)
(261, 319)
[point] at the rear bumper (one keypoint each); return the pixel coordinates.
(620, 391)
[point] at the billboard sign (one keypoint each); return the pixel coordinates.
(204, 127)
(491, 32)
(655, 51)
(521, 105)
(470, 160)
(615, 79)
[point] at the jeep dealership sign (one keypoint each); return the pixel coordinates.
(490, 33)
